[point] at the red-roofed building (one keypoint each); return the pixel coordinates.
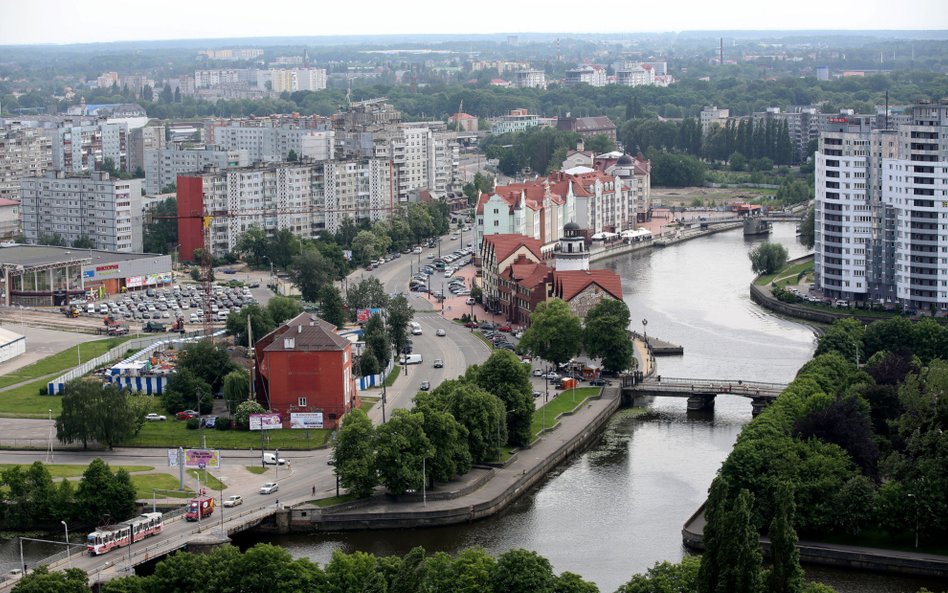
(304, 366)
(588, 126)
(584, 289)
(499, 252)
(533, 209)
(466, 121)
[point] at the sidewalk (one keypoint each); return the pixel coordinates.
(508, 483)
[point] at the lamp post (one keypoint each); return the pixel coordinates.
(69, 558)
(220, 480)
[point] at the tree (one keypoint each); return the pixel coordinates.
(331, 307)
(185, 390)
(148, 94)
(504, 376)
(398, 315)
(84, 242)
(261, 322)
(523, 571)
(368, 364)
(741, 561)
(555, 334)
(606, 335)
(480, 413)
(377, 341)
(808, 228)
(253, 245)
(845, 336)
(367, 294)
(365, 248)
(40, 580)
(94, 411)
(207, 360)
(401, 448)
(292, 157)
(104, 496)
(281, 309)
(569, 582)
(768, 257)
(354, 454)
(236, 388)
(450, 455)
(161, 232)
(785, 576)
(167, 95)
(310, 272)
(666, 577)
(844, 422)
(244, 410)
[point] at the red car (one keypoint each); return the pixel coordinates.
(505, 328)
(472, 324)
(186, 415)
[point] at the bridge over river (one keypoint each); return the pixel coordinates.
(701, 392)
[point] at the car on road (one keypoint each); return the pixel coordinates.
(536, 393)
(551, 376)
(272, 459)
(441, 333)
(229, 271)
(155, 417)
(470, 301)
(232, 501)
(438, 363)
(537, 372)
(425, 386)
(598, 382)
(269, 488)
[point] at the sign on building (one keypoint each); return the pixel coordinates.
(306, 420)
(265, 421)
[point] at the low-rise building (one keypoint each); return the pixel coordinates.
(588, 127)
(9, 219)
(305, 367)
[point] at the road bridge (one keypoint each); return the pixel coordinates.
(701, 392)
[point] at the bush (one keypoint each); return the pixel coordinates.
(223, 424)
(193, 424)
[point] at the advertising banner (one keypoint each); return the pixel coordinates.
(202, 458)
(134, 281)
(265, 421)
(172, 458)
(306, 420)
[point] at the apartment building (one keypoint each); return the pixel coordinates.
(304, 198)
(162, 167)
(530, 79)
(94, 206)
(141, 140)
(290, 80)
(81, 147)
(881, 203)
(635, 75)
(591, 75)
(712, 115)
(24, 152)
(268, 143)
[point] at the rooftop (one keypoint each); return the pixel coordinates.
(40, 255)
(309, 334)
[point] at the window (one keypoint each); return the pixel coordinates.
(301, 402)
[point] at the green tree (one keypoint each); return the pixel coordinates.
(310, 272)
(785, 575)
(845, 336)
(354, 454)
(244, 410)
(261, 322)
(365, 248)
(450, 455)
(207, 360)
(292, 157)
(401, 446)
(253, 245)
(398, 315)
(368, 364)
(104, 414)
(555, 334)
(40, 580)
(569, 582)
(236, 388)
(666, 577)
(331, 307)
(366, 294)
(84, 242)
(768, 257)
(167, 95)
(523, 571)
(377, 340)
(104, 496)
(282, 309)
(606, 335)
(741, 559)
(479, 412)
(184, 391)
(808, 228)
(504, 376)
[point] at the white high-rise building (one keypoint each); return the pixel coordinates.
(291, 80)
(530, 79)
(106, 211)
(881, 203)
(162, 167)
(81, 148)
(264, 144)
(24, 152)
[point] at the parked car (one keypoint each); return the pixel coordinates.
(233, 501)
(155, 417)
(186, 415)
(425, 385)
(551, 376)
(438, 363)
(598, 382)
(470, 301)
(505, 328)
(471, 324)
(269, 488)
(537, 372)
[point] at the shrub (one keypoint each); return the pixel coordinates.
(223, 424)
(193, 424)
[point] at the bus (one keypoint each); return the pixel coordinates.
(105, 539)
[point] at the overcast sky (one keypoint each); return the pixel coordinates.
(81, 21)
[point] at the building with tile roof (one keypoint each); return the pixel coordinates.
(584, 289)
(305, 367)
(587, 127)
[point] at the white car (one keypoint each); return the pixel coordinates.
(441, 333)
(155, 417)
(470, 301)
(232, 501)
(269, 488)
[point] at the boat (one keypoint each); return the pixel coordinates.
(756, 226)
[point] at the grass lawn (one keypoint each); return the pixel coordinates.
(62, 361)
(787, 275)
(390, 380)
(368, 402)
(174, 433)
(256, 469)
(333, 500)
(146, 484)
(563, 402)
(207, 479)
(62, 470)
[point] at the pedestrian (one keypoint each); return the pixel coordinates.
(278, 503)
(314, 490)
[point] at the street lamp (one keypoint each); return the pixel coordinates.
(220, 480)
(69, 558)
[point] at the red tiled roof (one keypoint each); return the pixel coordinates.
(570, 283)
(505, 244)
(309, 334)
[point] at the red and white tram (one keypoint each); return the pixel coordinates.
(108, 538)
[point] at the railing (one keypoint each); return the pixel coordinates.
(716, 383)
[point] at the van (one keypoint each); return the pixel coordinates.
(415, 328)
(272, 459)
(90, 308)
(412, 359)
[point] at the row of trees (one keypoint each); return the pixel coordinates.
(540, 149)
(32, 500)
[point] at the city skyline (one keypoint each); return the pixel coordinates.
(62, 22)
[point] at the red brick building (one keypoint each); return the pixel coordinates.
(305, 366)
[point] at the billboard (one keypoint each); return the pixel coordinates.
(306, 420)
(265, 421)
(202, 458)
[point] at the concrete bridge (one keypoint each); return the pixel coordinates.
(701, 392)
